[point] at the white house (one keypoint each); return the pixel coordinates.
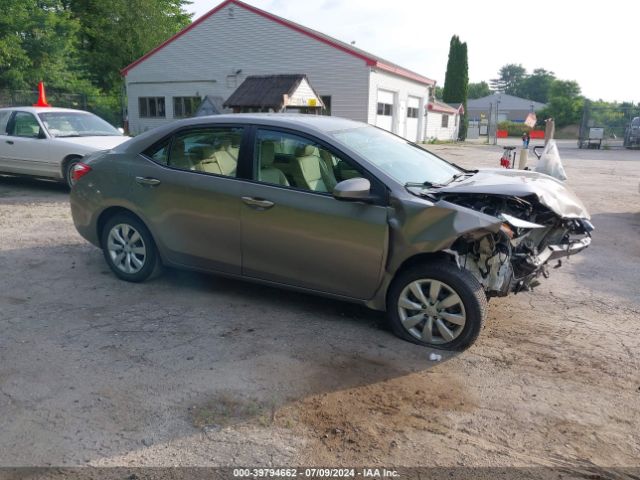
(212, 57)
(443, 120)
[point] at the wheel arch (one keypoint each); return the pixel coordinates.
(420, 258)
(108, 213)
(379, 301)
(66, 160)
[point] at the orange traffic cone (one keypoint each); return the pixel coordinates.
(42, 98)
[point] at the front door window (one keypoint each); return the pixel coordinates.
(25, 125)
(289, 160)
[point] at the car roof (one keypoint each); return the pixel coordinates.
(314, 122)
(42, 109)
(302, 122)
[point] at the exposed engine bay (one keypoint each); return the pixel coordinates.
(530, 238)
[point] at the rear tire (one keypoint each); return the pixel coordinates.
(129, 249)
(437, 305)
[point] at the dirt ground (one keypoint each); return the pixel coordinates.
(191, 369)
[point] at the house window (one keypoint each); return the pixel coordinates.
(412, 112)
(385, 109)
(326, 99)
(185, 106)
(445, 120)
(151, 107)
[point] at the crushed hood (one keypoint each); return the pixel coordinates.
(551, 193)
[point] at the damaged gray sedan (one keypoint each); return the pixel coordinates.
(331, 207)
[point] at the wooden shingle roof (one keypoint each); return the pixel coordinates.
(264, 91)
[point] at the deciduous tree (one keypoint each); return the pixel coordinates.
(114, 33)
(565, 103)
(509, 77)
(479, 90)
(536, 86)
(38, 41)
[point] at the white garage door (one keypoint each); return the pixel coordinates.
(385, 110)
(413, 117)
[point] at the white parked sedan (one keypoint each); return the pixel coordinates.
(47, 142)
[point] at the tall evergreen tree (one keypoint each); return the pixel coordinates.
(456, 82)
(452, 76)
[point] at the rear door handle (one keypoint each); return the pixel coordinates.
(148, 181)
(10, 142)
(258, 202)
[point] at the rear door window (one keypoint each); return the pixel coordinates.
(212, 150)
(160, 153)
(5, 115)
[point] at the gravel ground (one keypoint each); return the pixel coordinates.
(191, 369)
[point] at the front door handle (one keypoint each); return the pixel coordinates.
(148, 181)
(258, 202)
(10, 142)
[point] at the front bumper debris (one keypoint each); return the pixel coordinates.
(553, 252)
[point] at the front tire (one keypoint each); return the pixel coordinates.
(437, 305)
(128, 248)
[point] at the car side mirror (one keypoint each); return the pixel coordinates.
(354, 189)
(41, 134)
(121, 130)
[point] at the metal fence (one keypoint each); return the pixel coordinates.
(605, 125)
(109, 107)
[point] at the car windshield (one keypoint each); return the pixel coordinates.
(398, 158)
(76, 124)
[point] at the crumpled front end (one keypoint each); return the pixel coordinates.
(531, 238)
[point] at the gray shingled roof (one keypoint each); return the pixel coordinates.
(507, 102)
(211, 105)
(264, 91)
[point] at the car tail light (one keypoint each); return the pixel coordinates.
(79, 171)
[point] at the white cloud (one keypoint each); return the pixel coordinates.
(595, 44)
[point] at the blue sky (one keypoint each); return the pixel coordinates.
(592, 43)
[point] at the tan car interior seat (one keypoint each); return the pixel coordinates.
(218, 161)
(233, 150)
(268, 173)
(311, 171)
